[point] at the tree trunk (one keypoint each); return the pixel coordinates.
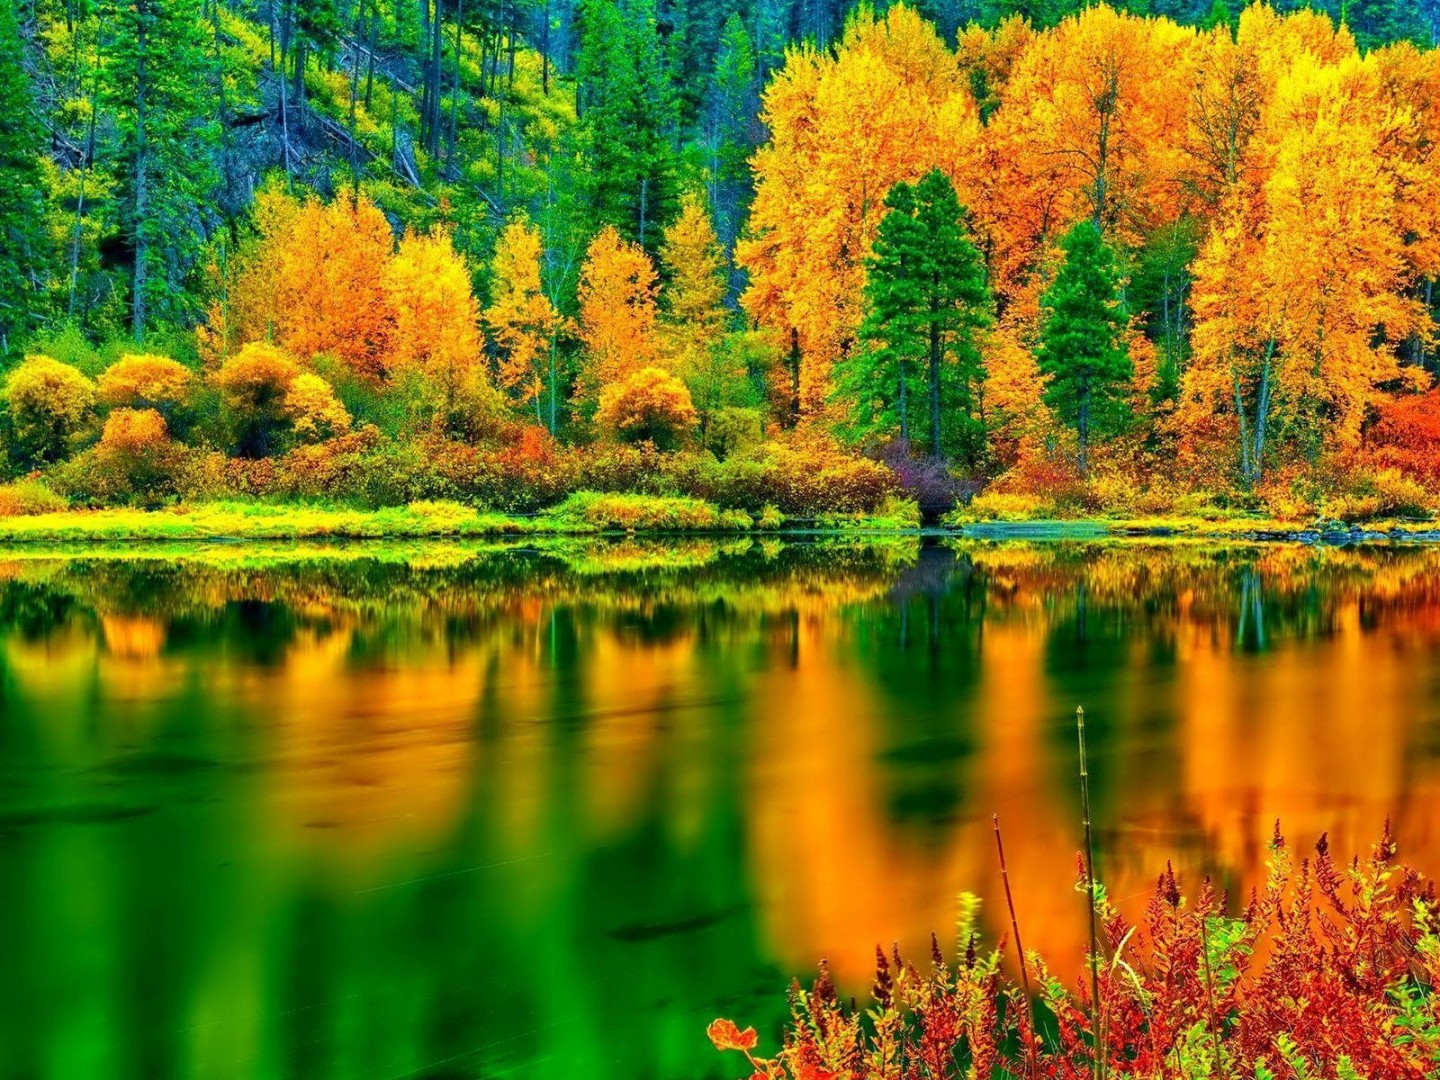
(455, 90)
(142, 182)
(795, 377)
(934, 380)
(84, 175)
(904, 411)
(545, 50)
(1082, 428)
(1262, 412)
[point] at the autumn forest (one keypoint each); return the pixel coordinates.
(1018, 261)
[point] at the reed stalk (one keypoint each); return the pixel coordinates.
(1028, 1029)
(1097, 1066)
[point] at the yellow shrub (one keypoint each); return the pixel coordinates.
(314, 410)
(1006, 506)
(28, 497)
(650, 405)
(146, 382)
(50, 404)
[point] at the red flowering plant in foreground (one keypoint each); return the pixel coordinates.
(1328, 972)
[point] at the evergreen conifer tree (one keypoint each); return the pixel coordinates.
(927, 301)
(155, 75)
(22, 239)
(1082, 346)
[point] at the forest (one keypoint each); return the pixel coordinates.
(968, 259)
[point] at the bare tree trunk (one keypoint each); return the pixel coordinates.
(455, 89)
(545, 50)
(355, 92)
(84, 176)
(904, 405)
(142, 181)
(371, 42)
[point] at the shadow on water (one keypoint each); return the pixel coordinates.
(544, 811)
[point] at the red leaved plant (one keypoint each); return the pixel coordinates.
(1328, 972)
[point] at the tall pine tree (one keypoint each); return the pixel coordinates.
(628, 121)
(155, 75)
(1082, 343)
(731, 133)
(928, 298)
(22, 239)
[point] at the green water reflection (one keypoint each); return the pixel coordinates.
(460, 811)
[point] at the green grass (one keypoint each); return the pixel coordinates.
(591, 513)
(603, 512)
(262, 521)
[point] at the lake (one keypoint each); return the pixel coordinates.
(465, 810)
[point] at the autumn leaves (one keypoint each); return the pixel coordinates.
(1302, 168)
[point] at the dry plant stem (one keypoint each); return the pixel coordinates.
(1027, 1030)
(1210, 993)
(1097, 1066)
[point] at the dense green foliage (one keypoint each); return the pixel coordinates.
(928, 298)
(1082, 348)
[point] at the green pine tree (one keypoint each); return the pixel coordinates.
(928, 298)
(155, 78)
(1376, 23)
(731, 132)
(1082, 343)
(23, 262)
(628, 121)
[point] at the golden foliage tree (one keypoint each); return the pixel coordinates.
(889, 104)
(312, 281)
(522, 320)
(1302, 290)
(617, 314)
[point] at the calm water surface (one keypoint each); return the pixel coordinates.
(456, 812)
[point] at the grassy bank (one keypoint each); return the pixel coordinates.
(585, 513)
(1240, 527)
(590, 513)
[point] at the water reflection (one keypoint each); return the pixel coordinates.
(471, 811)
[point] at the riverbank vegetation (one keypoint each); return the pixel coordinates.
(640, 265)
(1329, 971)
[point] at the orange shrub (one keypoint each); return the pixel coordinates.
(133, 431)
(135, 461)
(1406, 435)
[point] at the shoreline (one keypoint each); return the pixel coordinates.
(224, 523)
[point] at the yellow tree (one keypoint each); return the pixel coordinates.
(617, 314)
(695, 314)
(435, 330)
(312, 281)
(889, 104)
(522, 320)
(1303, 288)
(694, 266)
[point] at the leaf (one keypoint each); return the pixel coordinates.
(726, 1036)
